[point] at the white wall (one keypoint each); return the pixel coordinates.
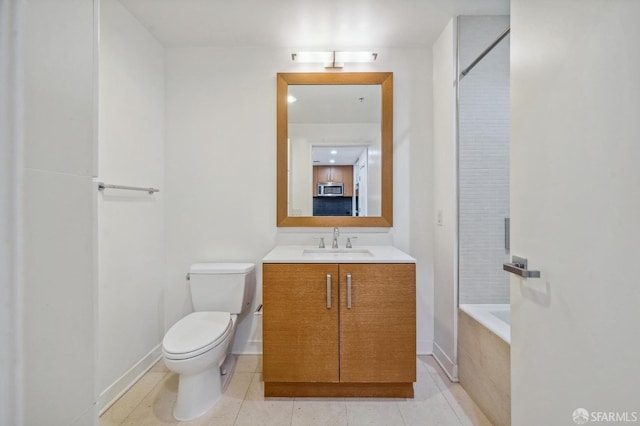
(59, 208)
(300, 177)
(575, 208)
(220, 167)
(11, 236)
(445, 204)
(413, 175)
(361, 178)
(130, 223)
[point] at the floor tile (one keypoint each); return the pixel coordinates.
(319, 412)
(465, 408)
(119, 411)
(157, 407)
(437, 401)
(248, 363)
(258, 410)
(373, 412)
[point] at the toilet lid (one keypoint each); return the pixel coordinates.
(196, 333)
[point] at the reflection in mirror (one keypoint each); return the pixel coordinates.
(335, 149)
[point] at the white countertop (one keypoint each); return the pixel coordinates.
(357, 254)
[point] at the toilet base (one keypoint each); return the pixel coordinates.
(197, 393)
(226, 370)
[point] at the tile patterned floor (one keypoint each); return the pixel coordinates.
(437, 402)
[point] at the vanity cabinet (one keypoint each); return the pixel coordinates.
(300, 331)
(342, 174)
(339, 329)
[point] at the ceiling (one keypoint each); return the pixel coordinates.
(321, 24)
(335, 104)
(341, 155)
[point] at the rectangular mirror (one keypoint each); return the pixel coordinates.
(335, 160)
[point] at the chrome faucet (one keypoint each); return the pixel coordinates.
(336, 234)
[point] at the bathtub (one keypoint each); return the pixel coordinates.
(497, 318)
(484, 359)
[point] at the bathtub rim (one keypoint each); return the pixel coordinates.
(482, 314)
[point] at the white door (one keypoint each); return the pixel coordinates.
(575, 211)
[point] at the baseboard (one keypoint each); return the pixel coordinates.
(252, 347)
(449, 367)
(424, 347)
(128, 379)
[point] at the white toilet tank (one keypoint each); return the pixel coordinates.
(223, 287)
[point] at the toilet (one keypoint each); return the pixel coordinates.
(198, 347)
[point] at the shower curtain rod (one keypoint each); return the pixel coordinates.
(484, 53)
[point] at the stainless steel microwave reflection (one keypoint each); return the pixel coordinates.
(330, 189)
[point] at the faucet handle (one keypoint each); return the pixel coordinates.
(349, 242)
(321, 244)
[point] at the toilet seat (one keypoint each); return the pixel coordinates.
(196, 334)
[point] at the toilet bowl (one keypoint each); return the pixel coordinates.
(195, 348)
(198, 347)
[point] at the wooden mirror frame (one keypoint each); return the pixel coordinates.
(385, 80)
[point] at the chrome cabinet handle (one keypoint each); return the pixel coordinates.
(348, 291)
(328, 291)
(518, 266)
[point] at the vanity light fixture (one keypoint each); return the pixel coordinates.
(333, 59)
(291, 99)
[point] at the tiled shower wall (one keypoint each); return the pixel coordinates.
(483, 161)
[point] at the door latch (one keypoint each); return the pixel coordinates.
(518, 266)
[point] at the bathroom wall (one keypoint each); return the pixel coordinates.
(220, 168)
(220, 182)
(11, 125)
(575, 209)
(413, 188)
(445, 201)
(59, 278)
(483, 161)
(130, 223)
(483, 175)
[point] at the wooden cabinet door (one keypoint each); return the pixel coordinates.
(315, 181)
(333, 173)
(323, 173)
(300, 331)
(347, 180)
(342, 174)
(336, 174)
(378, 332)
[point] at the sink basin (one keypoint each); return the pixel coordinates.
(314, 254)
(336, 253)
